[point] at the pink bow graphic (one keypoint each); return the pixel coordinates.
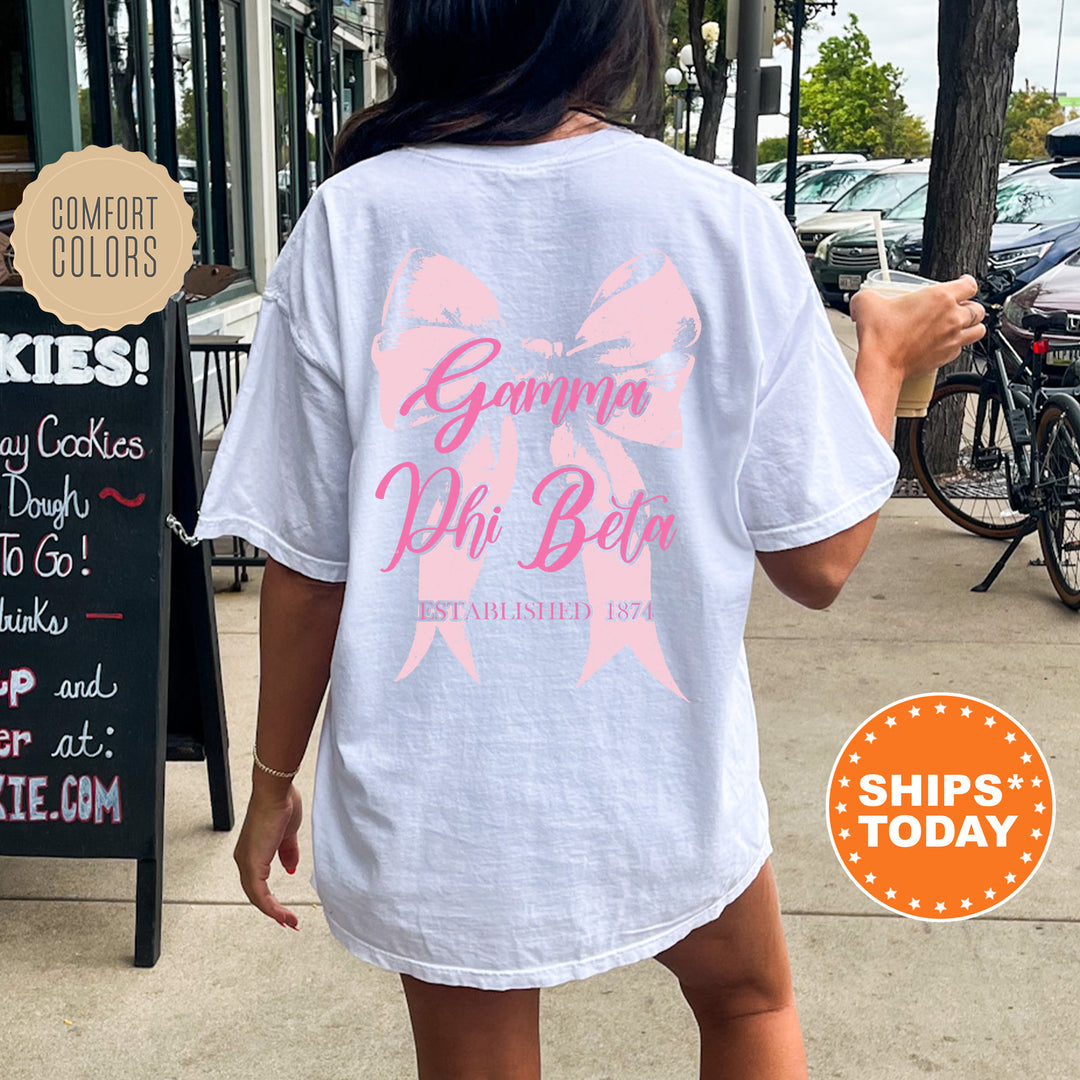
(640, 325)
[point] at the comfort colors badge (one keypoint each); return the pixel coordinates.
(103, 237)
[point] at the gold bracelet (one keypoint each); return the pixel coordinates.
(267, 769)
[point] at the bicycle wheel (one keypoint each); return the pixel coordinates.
(1059, 521)
(960, 451)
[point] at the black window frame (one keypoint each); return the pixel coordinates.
(156, 96)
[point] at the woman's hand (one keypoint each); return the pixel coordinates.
(922, 331)
(270, 828)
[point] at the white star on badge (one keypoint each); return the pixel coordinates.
(870, 879)
(1011, 737)
(939, 708)
(965, 904)
(841, 807)
(870, 736)
(913, 710)
(990, 894)
(844, 781)
(939, 906)
(844, 834)
(990, 721)
(853, 758)
(1026, 857)
(1036, 833)
(1015, 781)
(913, 903)
(854, 857)
(1036, 781)
(891, 722)
(1010, 878)
(965, 711)
(1026, 759)
(1039, 808)
(890, 894)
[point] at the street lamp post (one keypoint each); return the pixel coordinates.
(673, 76)
(798, 11)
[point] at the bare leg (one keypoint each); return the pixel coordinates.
(735, 975)
(462, 1033)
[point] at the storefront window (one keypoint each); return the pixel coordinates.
(232, 85)
(283, 129)
(16, 159)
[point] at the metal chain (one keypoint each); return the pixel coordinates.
(182, 534)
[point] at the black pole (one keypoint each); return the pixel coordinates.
(689, 99)
(798, 22)
(326, 88)
(748, 90)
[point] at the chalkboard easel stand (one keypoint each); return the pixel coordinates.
(115, 638)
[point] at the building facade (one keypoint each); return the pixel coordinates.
(239, 99)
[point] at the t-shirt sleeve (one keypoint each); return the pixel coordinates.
(816, 463)
(280, 477)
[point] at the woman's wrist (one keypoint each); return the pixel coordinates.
(272, 788)
(879, 378)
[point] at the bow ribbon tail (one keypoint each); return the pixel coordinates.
(610, 580)
(449, 571)
(608, 577)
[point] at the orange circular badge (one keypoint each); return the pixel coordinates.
(940, 807)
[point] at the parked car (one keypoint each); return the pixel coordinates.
(1056, 290)
(775, 179)
(1038, 225)
(843, 259)
(880, 191)
(1064, 140)
(816, 191)
(1038, 221)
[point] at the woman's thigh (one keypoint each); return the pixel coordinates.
(467, 1033)
(739, 961)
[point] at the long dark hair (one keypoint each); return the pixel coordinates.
(481, 71)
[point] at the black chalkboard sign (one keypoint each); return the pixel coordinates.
(96, 592)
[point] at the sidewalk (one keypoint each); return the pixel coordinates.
(881, 997)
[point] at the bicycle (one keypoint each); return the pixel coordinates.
(998, 452)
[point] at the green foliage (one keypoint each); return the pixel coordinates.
(852, 105)
(773, 149)
(1031, 114)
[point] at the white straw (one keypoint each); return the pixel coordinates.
(883, 256)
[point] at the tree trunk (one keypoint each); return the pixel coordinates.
(712, 80)
(977, 42)
(652, 100)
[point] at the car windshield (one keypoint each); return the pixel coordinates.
(882, 191)
(775, 175)
(828, 185)
(913, 208)
(1038, 199)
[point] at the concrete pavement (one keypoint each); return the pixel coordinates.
(881, 997)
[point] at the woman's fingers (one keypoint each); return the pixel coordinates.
(270, 828)
(253, 880)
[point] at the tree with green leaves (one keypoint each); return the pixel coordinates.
(772, 149)
(1031, 113)
(850, 104)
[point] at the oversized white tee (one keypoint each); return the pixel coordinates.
(537, 406)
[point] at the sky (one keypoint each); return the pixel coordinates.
(904, 33)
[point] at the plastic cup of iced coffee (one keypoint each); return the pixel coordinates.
(916, 392)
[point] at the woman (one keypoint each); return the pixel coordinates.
(528, 393)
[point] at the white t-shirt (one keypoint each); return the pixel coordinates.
(537, 406)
